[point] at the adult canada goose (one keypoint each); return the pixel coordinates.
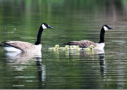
(20, 46)
(87, 43)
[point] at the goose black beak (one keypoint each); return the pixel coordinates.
(50, 27)
(110, 28)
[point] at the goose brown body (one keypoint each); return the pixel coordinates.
(23, 46)
(82, 43)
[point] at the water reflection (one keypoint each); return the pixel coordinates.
(21, 58)
(22, 61)
(72, 20)
(41, 70)
(90, 69)
(79, 53)
(102, 63)
(89, 66)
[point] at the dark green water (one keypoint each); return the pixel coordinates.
(72, 20)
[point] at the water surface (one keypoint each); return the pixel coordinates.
(72, 20)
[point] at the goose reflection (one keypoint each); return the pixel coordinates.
(87, 54)
(21, 58)
(22, 61)
(102, 63)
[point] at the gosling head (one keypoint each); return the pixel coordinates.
(71, 47)
(66, 46)
(91, 46)
(56, 46)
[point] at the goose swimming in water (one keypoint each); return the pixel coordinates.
(20, 46)
(87, 43)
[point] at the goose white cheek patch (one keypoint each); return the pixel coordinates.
(43, 26)
(105, 28)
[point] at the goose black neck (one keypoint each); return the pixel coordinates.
(39, 36)
(102, 33)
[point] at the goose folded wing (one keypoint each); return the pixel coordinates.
(19, 45)
(82, 43)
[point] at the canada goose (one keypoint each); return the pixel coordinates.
(20, 46)
(87, 43)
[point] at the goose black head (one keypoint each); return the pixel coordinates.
(45, 26)
(106, 27)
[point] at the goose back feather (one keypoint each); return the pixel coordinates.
(21, 46)
(82, 43)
